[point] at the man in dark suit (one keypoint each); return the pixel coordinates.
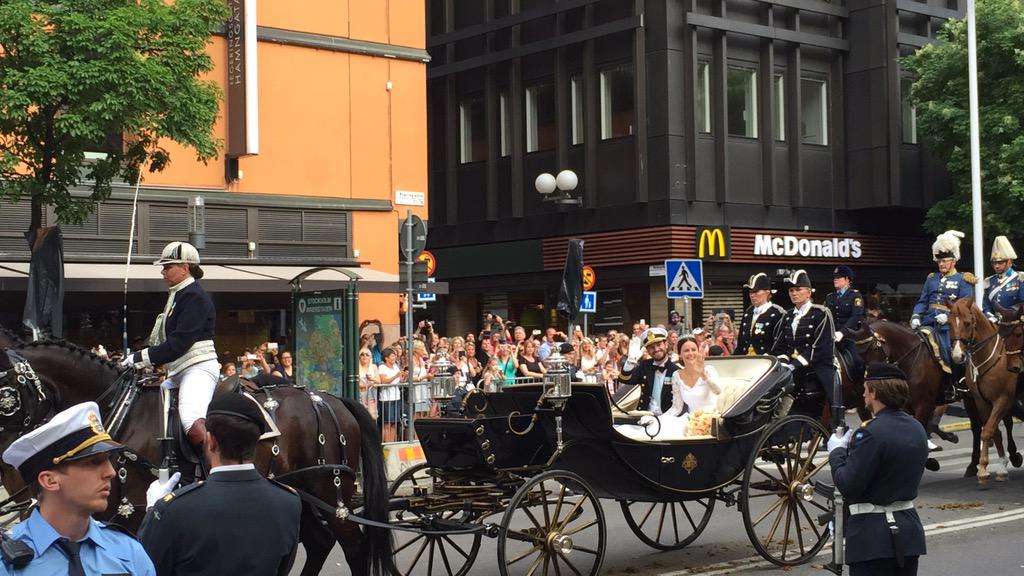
(847, 308)
(804, 337)
(237, 522)
(878, 473)
(757, 329)
(653, 374)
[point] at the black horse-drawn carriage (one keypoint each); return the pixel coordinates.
(529, 465)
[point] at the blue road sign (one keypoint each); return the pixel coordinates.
(589, 303)
(684, 279)
(426, 296)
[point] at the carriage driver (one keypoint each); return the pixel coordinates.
(654, 374)
(803, 338)
(757, 329)
(1005, 288)
(182, 339)
(847, 308)
(932, 308)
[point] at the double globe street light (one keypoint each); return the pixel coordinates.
(558, 189)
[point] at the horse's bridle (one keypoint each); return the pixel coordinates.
(972, 346)
(24, 402)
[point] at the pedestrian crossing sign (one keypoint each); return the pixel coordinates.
(589, 303)
(684, 279)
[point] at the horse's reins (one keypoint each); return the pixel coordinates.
(972, 347)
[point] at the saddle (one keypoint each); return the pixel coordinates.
(931, 342)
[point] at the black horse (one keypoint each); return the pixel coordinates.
(67, 375)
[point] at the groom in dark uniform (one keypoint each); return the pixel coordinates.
(653, 374)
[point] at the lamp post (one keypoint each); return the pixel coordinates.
(558, 189)
(197, 222)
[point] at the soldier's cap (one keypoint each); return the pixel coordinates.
(72, 434)
(240, 406)
(758, 282)
(884, 371)
(843, 271)
(1002, 249)
(799, 279)
(178, 253)
(652, 336)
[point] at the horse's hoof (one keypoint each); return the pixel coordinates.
(983, 480)
(1002, 476)
(949, 436)
(1016, 459)
(971, 472)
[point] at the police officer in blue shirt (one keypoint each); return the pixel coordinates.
(932, 309)
(847, 307)
(878, 472)
(66, 463)
(1005, 288)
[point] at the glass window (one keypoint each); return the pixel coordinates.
(617, 101)
(578, 119)
(909, 112)
(742, 98)
(540, 117)
(813, 111)
(505, 113)
(779, 118)
(472, 130)
(702, 98)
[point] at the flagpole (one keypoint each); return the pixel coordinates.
(972, 83)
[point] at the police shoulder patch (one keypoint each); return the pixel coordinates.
(970, 278)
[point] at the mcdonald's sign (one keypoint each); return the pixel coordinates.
(713, 242)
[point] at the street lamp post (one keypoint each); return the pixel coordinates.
(559, 189)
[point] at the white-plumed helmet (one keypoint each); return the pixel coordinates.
(947, 245)
(1002, 249)
(178, 253)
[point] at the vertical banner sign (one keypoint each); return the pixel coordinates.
(243, 100)
(319, 320)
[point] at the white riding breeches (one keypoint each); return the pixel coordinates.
(195, 386)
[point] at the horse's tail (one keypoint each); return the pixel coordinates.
(378, 542)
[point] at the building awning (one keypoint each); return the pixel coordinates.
(145, 277)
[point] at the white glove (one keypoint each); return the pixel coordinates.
(992, 318)
(158, 490)
(126, 362)
(941, 318)
(636, 349)
(915, 323)
(837, 441)
(647, 420)
(839, 336)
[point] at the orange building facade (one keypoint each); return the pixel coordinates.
(340, 111)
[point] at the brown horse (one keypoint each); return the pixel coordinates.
(68, 375)
(977, 344)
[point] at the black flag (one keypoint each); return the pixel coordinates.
(570, 295)
(44, 301)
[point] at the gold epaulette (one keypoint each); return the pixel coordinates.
(970, 278)
(865, 423)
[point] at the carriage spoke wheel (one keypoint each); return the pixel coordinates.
(668, 525)
(780, 507)
(428, 554)
(553, 526)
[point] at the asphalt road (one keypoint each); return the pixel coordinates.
(968, 528)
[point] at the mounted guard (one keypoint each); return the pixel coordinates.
(182, 340)
(931, 313)
(804, 338)
(847, 308)
(757, 329)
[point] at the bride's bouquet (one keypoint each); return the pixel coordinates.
(701, 422)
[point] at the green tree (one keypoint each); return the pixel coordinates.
(110, 76)
(940, 93)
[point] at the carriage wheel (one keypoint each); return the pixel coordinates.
(780, 507)
(430, 554)
(668, 525)
(553, 525)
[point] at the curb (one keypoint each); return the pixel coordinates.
(961, 426)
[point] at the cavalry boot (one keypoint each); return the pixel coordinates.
(196, 436)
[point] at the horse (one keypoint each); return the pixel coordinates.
(893, 343)
(65, 374)
(993, 386)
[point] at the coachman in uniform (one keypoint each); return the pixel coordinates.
(182, 340)
(654, 374)
(803, 339)
(847, 308)
(757, 329)
(878, 472)
(932, 308)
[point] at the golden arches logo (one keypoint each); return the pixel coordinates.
(712, 243)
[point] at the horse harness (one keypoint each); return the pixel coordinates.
(973, 346)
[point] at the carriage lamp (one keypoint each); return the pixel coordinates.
(197, 222)
(558, 379)
(442, 385)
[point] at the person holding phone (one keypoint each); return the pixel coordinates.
(389, 375)
(286, 368)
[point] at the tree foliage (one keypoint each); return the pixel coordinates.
(109, 76)
(940, 94)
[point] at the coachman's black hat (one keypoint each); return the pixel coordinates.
(799, 279)
(758, 282)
